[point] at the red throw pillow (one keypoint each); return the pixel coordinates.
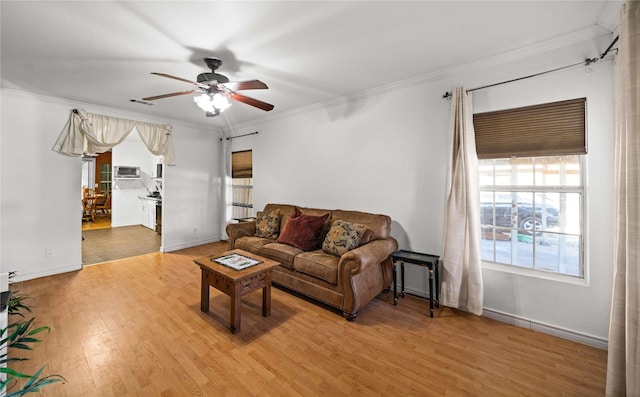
(302, 231)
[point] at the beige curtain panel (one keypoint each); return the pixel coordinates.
(226, 189)
(462, 274)
(88, 133)
(623, 363)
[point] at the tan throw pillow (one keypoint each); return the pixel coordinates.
(342, 237)
(268, 225)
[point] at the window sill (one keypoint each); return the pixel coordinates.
(563, 278)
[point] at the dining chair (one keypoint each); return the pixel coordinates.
(104, 204)
(88, 204)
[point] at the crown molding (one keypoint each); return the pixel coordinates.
(143, 117)
(538, 48)
(528, 51)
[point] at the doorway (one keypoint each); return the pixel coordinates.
(96, 183)
(118, 231)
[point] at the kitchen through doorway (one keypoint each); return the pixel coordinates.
(103, 239)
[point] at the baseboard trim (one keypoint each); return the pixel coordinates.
(553, 330)
(50, 272)
(537, 326)
(190, 244)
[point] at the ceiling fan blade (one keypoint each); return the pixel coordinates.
(181, 79)
(251, 101)
(153, 98)
(246, 85)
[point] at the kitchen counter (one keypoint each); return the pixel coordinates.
(152, 198)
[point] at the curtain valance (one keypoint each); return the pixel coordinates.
(88, 133)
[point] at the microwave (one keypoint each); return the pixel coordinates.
(126, 172)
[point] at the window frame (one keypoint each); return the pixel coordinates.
(583, 277)
(547, 129)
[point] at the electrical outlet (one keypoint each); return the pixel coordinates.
(49, 252)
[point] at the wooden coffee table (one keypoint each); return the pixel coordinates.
(236, 283)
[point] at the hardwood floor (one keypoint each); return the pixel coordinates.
(101, 222)
(133, 327)
(108, 244)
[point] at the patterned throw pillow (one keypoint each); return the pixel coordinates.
(342, 237)
(268, 225)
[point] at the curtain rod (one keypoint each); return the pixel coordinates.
(604, 54)
(240, 136)
(586, 62)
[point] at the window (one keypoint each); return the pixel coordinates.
(242, 184)
(531, 213)
(531, 180)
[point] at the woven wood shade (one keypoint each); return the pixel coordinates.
(242, 164)
(550, 129)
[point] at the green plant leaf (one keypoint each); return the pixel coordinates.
(13, 372)
(19, 335)
(38, 330)
(16, 304)
(12, 359)
(34, 377)
(49, 379)
(19, 345)
(29, 340)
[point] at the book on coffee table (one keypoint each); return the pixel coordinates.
(236, 261)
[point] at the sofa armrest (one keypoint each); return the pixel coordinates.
(236, 230)
(370, 254)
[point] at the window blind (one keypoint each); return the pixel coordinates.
(242, 164)
(550, 129)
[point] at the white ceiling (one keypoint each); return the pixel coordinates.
(102, 52)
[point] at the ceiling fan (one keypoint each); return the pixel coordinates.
(216, 90)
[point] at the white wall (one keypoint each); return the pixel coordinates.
(386, 151)
(192, 191)
(126, 206)
(40, 206)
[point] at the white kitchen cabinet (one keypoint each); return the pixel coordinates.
(148, 215)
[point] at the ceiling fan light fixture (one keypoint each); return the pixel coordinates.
(220, 102)
(212, 103)
(216, 91)
(204, 103)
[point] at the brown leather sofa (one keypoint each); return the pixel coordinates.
(346, 282)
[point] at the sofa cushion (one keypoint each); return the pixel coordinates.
(380, 225)
(282, 253)
(251, 243)
(318, 264)
(303, 231)
(268, 224)
(342, 237)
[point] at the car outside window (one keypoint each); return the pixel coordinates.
(531, 213)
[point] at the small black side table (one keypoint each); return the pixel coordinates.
(431, 262)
